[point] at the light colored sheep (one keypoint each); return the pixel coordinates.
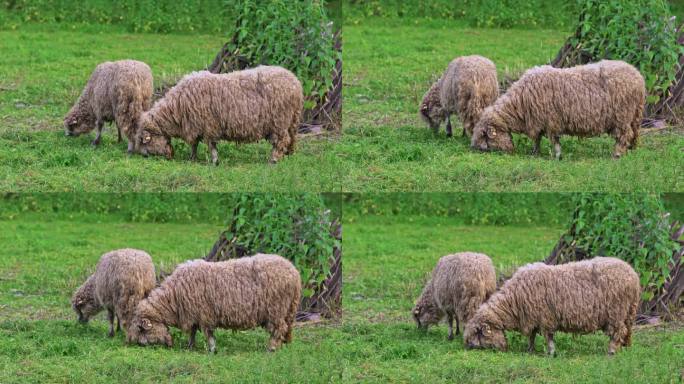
(242, 106)
(587, 100)
(580, 297)
(466, 88)
(118, 91)
(460, 283)
(122, 278)
(262, 290)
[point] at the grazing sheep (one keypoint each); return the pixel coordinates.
(118, 91)
(262, 290)
(581, 297)
(242, 106)
(122, 278)
(587, 100)
(459, 284)
(466, 88)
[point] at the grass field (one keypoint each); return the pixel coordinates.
(42, 74)
(390, 64)
(386, 260)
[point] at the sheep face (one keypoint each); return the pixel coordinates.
(76, 123)
(490, 133)
(432, 115)
(154, 144)
(147, 332)
(478, 334)
(426, 315)
(85, 308)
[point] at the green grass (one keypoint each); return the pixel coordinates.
(42, 73)
(386, 260)
(390, 64)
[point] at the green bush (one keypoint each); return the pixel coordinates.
(295, 226)
(637, 31)
(296, 35)
(466, 208)
(634, 228)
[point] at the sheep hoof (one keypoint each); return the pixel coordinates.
(450, 338)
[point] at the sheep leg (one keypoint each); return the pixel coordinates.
(550, 345)
(450, 321)
(555, 140)
(214, 152)
(110, 317)
(530, 345)
(193, 150)
(193, 333)
(98, 125)
(537, 143)
(118, 131)
(118, 324)
(448, 127)
(211, 342)
(458, 332)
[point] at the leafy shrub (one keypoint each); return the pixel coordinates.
(467, 208)
(295, 226)
(632, 227)
(296, 35)
(637, 31)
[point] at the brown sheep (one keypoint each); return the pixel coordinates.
(466, 88)
(459, 284)
(122, 278)
(580, 297)
(242, 106)
(262, 290)
(587, 100)
(117, 91)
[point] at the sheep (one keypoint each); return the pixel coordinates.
(459, 284)
(579, 297)
(586, 100)
(466, 88)
(243, 106)
(122, 278)
(261, 290)
(118, 91)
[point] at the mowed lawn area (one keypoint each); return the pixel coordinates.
(43, 70)
(386, 261)
(390, 65)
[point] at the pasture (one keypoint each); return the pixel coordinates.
(42, 75)
(390, 64)
(386, 260)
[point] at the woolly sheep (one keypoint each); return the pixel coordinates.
(262, 290)
(242, 106)
(587, 100)
(122, 278)
(580, 297)
(117, 91)
(459, 284)
(466, 88)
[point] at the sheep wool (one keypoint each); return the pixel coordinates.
(580, 297)
(258, 291)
